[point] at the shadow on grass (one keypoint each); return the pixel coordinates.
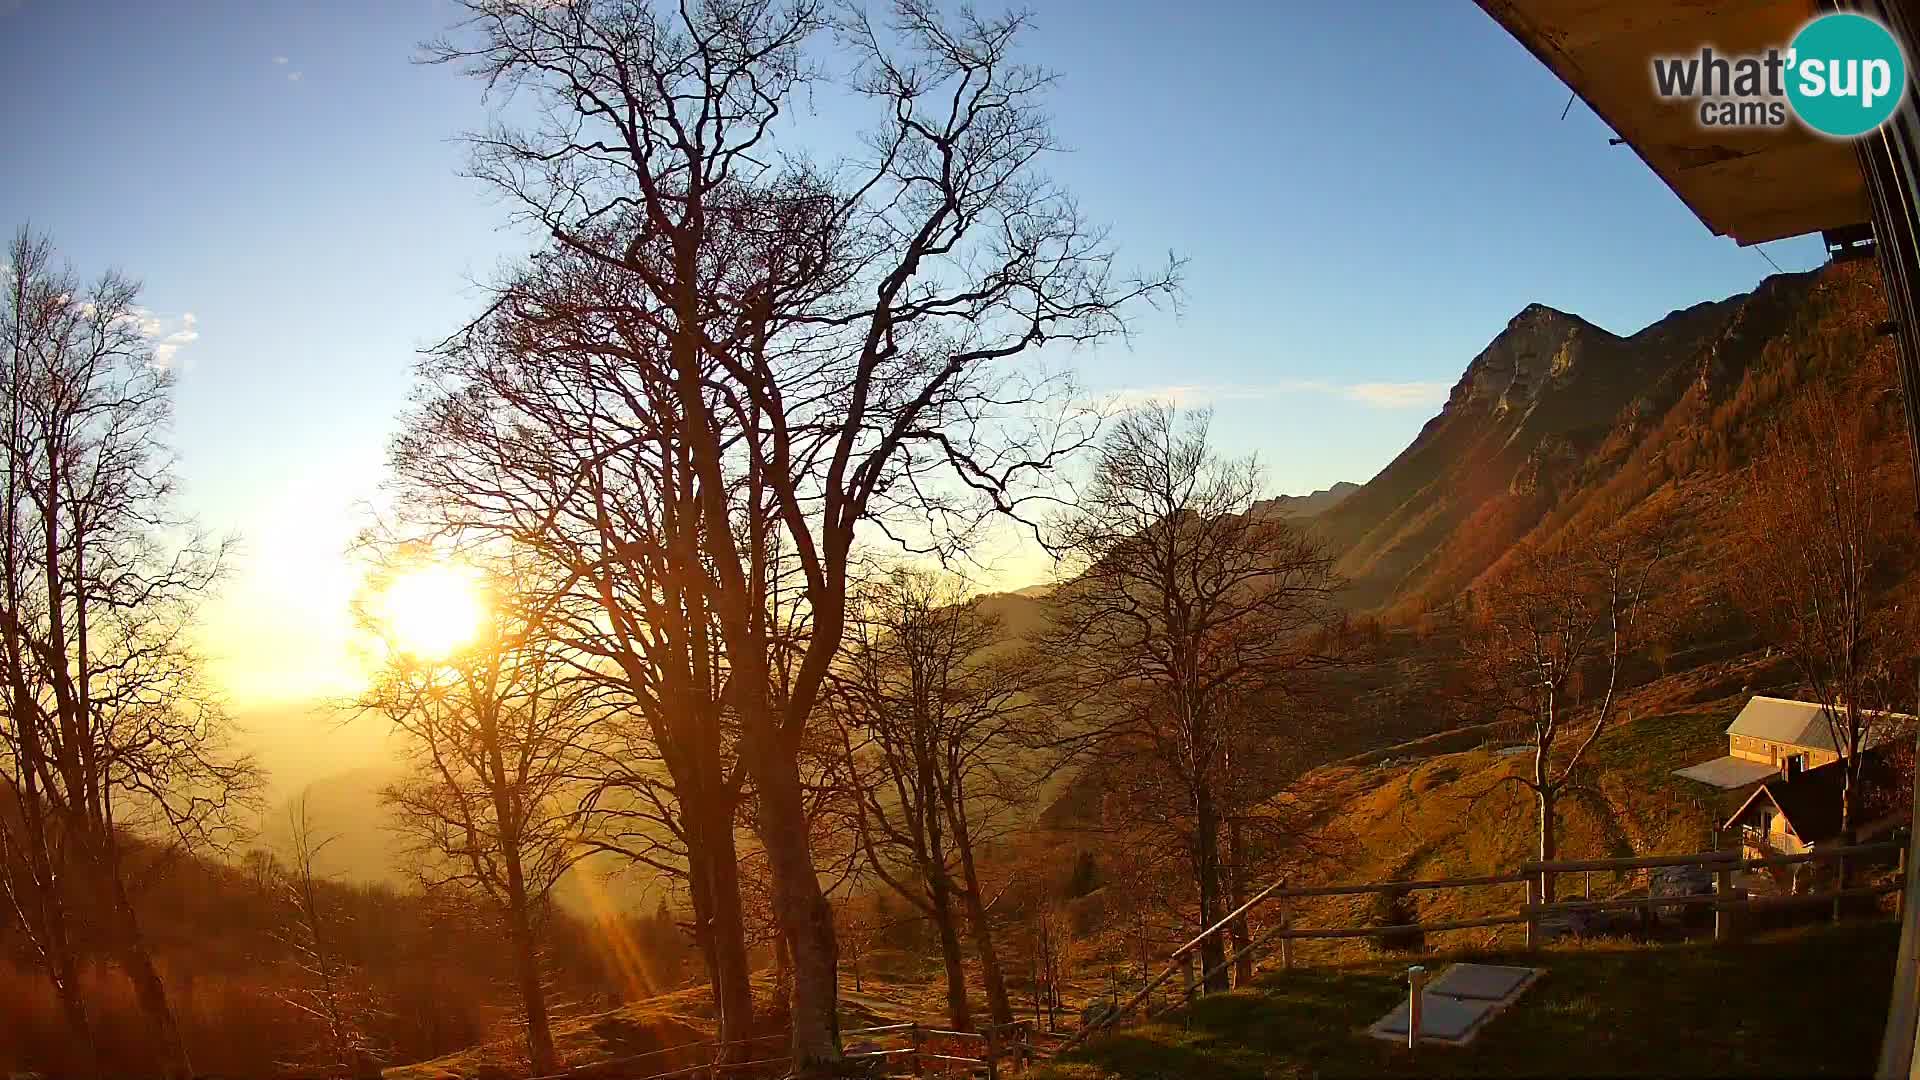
(1807, 1003)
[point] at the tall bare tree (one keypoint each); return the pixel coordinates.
(1547, 645)
(936, 731)
(1187, 611)
(538, 430)
(497, 726)
(108, 731)
(831, 339)
(1816, 533)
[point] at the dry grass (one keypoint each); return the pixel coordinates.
(1806, 1003)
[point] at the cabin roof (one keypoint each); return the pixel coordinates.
(1802, 723)
(1753, 185)
(1781, 720)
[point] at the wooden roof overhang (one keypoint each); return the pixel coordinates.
(1753, 185)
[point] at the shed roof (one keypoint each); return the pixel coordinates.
(1754, 185)
(1728, 772)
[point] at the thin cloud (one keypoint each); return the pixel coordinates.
(1396, 395)
(293, 76)
(1374, 395)
(279, 59)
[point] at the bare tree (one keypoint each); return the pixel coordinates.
(830, 339)
(332, 995)
(935, 733)
(536, 431)
(1187, 609)
(496, 727)
(1816, 533)
(1053, 953)
(1547, 644)
(108, 730)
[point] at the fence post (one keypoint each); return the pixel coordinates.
(1286, 927)
(1900, 870)
(1722, 896)
(1186, 974)
(918, 1041)
(1533, 919)
(993, 1053)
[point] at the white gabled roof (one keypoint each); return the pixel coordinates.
(1796, 723)
(1728, 772)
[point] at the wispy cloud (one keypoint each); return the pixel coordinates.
(168, 334)
(185, 331)
(293, 76)
(280, 60)
(1375, 395)
(1396, 395)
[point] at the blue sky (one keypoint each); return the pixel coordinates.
(1366, 193)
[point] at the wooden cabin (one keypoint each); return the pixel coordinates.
(1774, 735)
(1799, 809)
(1779, 731)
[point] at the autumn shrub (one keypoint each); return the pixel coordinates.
(1394, 908)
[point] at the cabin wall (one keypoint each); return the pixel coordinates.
(1764, 831)
(1770, 752)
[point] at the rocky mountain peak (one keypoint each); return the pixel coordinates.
(1540, 346)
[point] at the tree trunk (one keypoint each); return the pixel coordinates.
(799, 906)
(959, 1013)
(999, 1006)
(1236, 896)
(1849, 793)
(64, 974)
(1206, 866)
(533, 997)
(148, 989)
(782, 977)
(714, 873)
(84, 1054)
(62, 969)
(526, 962)
(1547, 841)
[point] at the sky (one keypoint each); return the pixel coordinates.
(1365, 194)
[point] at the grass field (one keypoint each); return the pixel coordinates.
(1809, 1002)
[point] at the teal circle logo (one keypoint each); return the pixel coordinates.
(1846, 75)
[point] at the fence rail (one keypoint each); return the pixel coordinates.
(1013, 1044)
(1539, 878)
(1000, 1045)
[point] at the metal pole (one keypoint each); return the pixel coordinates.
(1416, 982)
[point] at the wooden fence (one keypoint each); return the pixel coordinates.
(921, 1051)
(1539, 879)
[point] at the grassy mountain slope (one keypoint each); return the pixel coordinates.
(1558, 422)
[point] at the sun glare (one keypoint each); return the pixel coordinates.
(432, 611)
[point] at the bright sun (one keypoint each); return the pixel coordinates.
(432, 611)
